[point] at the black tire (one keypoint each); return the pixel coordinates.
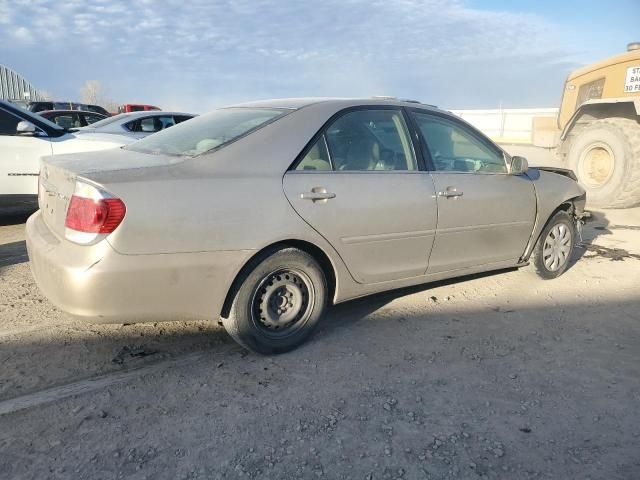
(279, 302)
(608, 185)
(561, 220)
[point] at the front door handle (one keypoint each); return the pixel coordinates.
(450, 192)
(318, 194)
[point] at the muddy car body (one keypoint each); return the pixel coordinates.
(290, 206)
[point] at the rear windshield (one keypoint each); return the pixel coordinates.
(206, 132)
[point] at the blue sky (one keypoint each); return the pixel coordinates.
(196, 55)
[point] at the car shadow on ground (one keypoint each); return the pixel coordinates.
(54, 354)
(598, 226)
(17, 214)
(13, 217)
(105, 348)
(13, 253)
(512, 377)
(354, 310)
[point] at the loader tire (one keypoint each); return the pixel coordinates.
(605, 156)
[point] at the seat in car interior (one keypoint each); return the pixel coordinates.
(313, 159)
(362, 154)
(440, 145)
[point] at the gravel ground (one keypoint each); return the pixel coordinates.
(501, 376)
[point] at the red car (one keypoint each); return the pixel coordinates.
(132, 107)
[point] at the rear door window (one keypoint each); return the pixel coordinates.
(148, 125)
(151, 124)
(180, 118)
(89, 119)
(364, 140)
(66, 120)
(317, 158)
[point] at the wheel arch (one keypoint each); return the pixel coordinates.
(594, 110)
(316, 252)
(570, 205)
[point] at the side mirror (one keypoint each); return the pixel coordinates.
(519, 165)
(26, 128)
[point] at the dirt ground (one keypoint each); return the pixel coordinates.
(499, 376)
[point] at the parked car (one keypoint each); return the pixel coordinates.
(25, 137)
(41, 106)
(72, 118)
(132, 107)
(264, 213)
(137, 124)
(20, 103)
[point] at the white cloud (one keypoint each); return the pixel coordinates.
(23, 35)
(355, 28)
(249, 48)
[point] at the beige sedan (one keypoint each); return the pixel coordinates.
(263, 214)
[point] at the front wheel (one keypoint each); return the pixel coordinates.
(606, 158)
(555, 246)
(279, 303)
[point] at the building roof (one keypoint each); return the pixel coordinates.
(14, 86)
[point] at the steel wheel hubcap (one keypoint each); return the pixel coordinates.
(596, 165)
(282, 301)
(557, 246)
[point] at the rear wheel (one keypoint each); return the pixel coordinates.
(279, 303)
(605, 156)
(555, 246)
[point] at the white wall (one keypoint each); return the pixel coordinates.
(511, 125)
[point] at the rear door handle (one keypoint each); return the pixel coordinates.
(450, 192)
(318, 194)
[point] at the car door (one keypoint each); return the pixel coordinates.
(19, 157)
(485, 215)
(358, 184)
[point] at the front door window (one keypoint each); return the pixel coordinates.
(453, 149)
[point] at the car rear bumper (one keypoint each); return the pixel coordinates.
(98, 284)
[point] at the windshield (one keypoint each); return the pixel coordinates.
(107, 121)
(206, 132)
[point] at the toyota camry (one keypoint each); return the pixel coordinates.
(264, 214)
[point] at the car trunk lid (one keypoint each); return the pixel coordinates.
(55, 188)
(59, 174)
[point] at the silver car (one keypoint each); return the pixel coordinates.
(136, 124)
(263, 214)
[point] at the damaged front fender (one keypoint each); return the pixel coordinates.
(555, 190)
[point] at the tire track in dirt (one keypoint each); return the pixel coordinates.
(84, 386)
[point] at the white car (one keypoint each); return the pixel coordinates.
(136, 124)
(26, 137)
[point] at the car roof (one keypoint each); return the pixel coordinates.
(71, 111)
(34, 118)
(35, 102)
(150, 113)
(297, 103)
(116, 122)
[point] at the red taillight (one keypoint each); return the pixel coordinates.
(90, 215)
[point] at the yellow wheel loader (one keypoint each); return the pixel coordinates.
(597, 131)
